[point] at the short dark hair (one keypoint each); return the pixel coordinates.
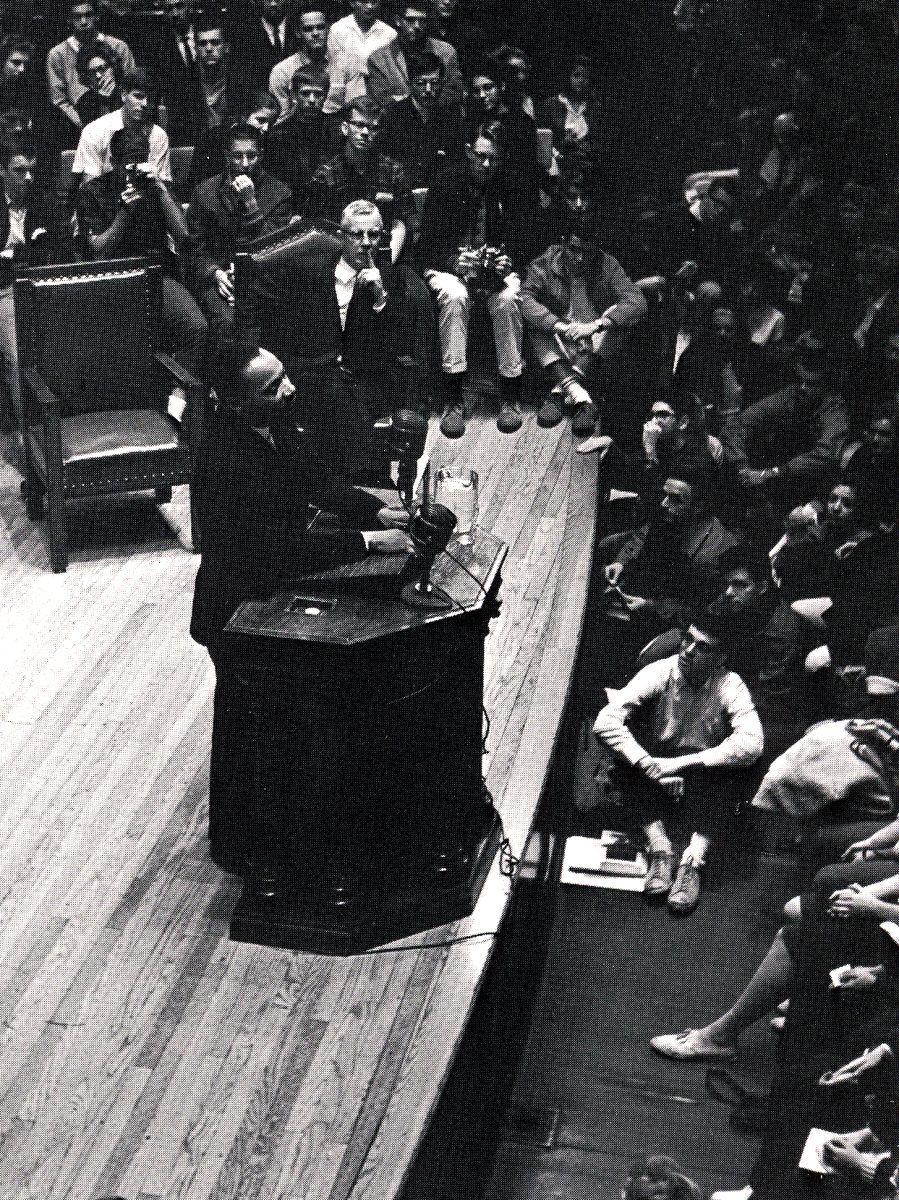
(129, 146)
(138, 80)
(98, 50)
(424, 62)
(257, 101)
(489, 68)
(15, 43)
(749, 558)
(697, 481)
(11, 146)
(365, 107)
(241, 131)
(211, 20)
(400, 6)
(309, 6)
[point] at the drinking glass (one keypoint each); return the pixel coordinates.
(458, 490)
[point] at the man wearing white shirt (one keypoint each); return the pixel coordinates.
(350, 42)
(63, 82)
(92, 156)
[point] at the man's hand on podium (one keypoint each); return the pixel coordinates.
(393, 518)
(391, 541)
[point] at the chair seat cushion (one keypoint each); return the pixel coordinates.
(113, 434)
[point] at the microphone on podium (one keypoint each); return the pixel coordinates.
(430, 529)
(406, 436)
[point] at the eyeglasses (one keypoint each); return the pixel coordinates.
(356, 235)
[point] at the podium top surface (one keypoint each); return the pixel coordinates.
(336, 607)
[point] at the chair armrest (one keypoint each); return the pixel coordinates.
(180, 375)
(39, 389)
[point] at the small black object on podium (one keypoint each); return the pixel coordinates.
(363, 752)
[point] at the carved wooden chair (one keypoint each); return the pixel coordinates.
(95, 389)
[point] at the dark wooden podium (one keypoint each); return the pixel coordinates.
(363, 747)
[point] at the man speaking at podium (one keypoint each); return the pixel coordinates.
(255, 478)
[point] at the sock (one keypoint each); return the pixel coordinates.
(657, 840)
(510, 390)
(697, 850)
(575, 392)
(454, 387)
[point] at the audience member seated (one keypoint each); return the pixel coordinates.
(419, 133)
(519, 78)
(667, 570)
(474, 238)
(225, 83)
(872, 466)
(675, 443)
(489, 107)
(786, 446)
(807, 566)
(468, 39)
(311, 25)
(100, 70)
(387, 73)
(574, 115)
(345, 333)
(135, 113)
(698, 732)
(297, 146)
(577, 303)
(848, 765)
(361, 172)
(260, 110)
(30, 237)
(351, 40)
(63, 83)
(130, 211)
(242, 203)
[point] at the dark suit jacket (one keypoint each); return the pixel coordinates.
(216, 226)
(388, 75)
(251, 48)
(253, 501)
(298, 316)
(42, 235)
(180, 87)
(422, 148)
(450, 211)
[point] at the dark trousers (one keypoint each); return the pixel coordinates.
(185, 324)
(708, 807)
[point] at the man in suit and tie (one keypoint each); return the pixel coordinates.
(265, 37)
(256, 476)
(388, 66)
(337, 314)
(28, 237)
(176, 72)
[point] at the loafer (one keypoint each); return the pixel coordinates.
(660, 874)
(690, 1044)
(584, 418)
(452, 425)
(684, 894)
(509, 419)
(549, 413)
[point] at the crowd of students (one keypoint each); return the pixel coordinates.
(693, 259)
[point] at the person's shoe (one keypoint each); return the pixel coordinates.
(595, 444)
(742, 1194)
(684, 895)
(584, 418)
(509, 419)
(659, 876)
(452, 425)
(691, 1044)
(549, 413)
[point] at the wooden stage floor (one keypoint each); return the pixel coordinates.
(143, 1054)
